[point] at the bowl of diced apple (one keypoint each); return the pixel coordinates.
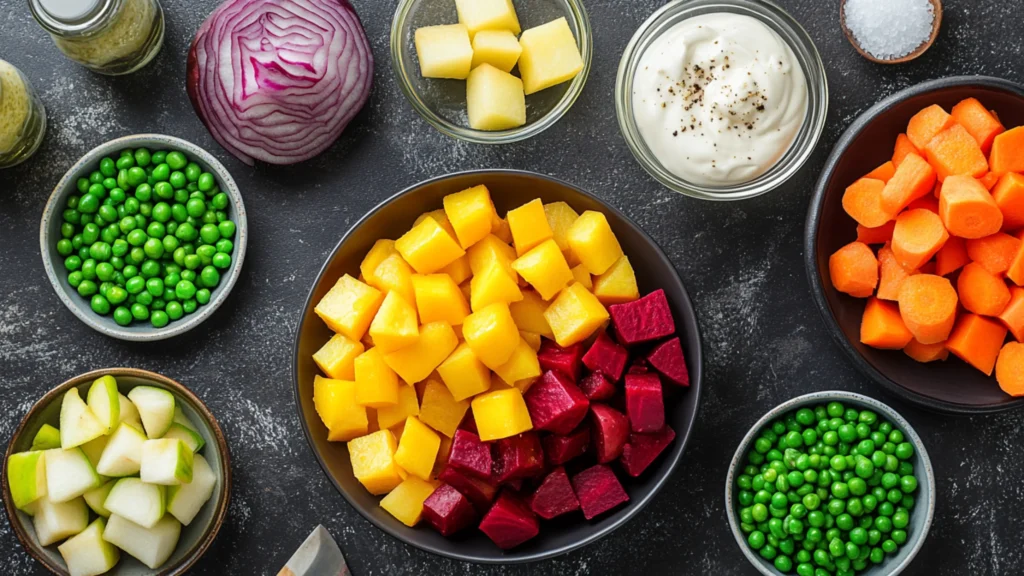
(491, 71)
(117, 471)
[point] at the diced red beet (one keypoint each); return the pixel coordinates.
(510, 522)
(519, 456)
(596, 386)
(643, 320)
(479, 492)
(609, 430)
(554, 496)
(598, 490)
(565, 360)
(643, 449)
(555, 403)
(667, 358)
(469, 455)
(645, 405)
(606, 356)
(448, 510)
(560, 449)
(638, 367)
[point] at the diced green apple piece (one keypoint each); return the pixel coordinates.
(156, 407)
(129, 413)
(190, 437)
(87, 553)
(104, 402)
(47, 438)
(69, 474)
(185, 501)
(94, 449)
(78, 424)
(56, 521)
(123, 453)
(96, 497)
(26, 475)
(132, 499)
(180, 418)
(167, 461)
(152, 546)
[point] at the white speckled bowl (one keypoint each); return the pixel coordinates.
(49, 234)
(920, 517)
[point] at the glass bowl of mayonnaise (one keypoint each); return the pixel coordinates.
(721, 99)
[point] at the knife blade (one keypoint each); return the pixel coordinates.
(319, 555)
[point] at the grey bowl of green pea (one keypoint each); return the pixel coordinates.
(144, 237)
(831, 484)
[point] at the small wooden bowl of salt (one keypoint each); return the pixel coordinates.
(891, 31)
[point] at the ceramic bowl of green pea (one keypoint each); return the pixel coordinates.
(908, 519)
(159, 320)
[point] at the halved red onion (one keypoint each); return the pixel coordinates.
(278, 80)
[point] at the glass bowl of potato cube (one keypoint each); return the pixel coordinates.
(491, 71)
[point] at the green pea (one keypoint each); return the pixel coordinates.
(192, 172)
(150, 268)
(136, 176)
(105, 271)
(163, 190)
(206, 182)
(210, 234)
(830, 438)
(179, 213)
(158, 318)
(64, 247)
(108, 167)
(883, 524)
(889, 546)
(177, 179)
(203, 297)
(135, 285)
(154, 248)
(162, 212)
(195, 208)
(142, 157)
(783, 564)
(139, 311)
(181, 196)
(220, 201)
(73, 216)
(176, 160)
(89, 269)
(756, 540)
(227, 228)
(221, 260)
(89, 204)
(908, 484)
(122, 316)
(899, 536)
(174, 310)
(904, 451)
(161, 172)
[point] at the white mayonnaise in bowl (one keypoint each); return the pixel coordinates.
(721, 99)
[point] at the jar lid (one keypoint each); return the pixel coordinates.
(70, 11)
(73, 17)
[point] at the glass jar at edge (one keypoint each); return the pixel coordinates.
(106, 36)
(22, 117)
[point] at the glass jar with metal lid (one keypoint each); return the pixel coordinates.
(22, 117)
(106, 36)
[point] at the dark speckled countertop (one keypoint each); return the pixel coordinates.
(742, 263)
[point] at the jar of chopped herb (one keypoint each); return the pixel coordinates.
(22, 117)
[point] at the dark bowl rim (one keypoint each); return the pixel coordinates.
(220, 515)
(811, 241)
(696, 378)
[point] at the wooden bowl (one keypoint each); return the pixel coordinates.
(195, 538)
(936, 24)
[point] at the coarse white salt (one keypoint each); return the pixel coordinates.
(890, 29)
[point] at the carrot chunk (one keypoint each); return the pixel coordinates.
(926, 124)
(925, 353)
(1008, 151)
(995, 252)
(883, 172)
(854, 270)
(863, 202)
(978, 121)
(977, 341)
(877, 235)
(981, 291)
(1013, 316)
(952, 257)
(928, 307)
(1015, 272)
(967, 209)
(891, 275)
(926, 203)
(989, 180)
(882, 327)
(913, 179)
(1010, 369)
(904, 147)
(1009, 196)
(919, 235)
(955, 152)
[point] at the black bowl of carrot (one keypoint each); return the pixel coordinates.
(915, 244)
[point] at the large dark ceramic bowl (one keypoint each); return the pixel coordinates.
(951, 386)
(509, 190)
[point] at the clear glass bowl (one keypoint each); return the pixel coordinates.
(807, 57)
(442, 103)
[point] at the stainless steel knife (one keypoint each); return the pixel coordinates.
(319, 555)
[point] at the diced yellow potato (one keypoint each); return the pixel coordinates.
(492, 334)
(336, 357)
(464, 374)
(373, 461)
(393, 274)
(582, 275)
(560, 217)
(408, 405)
(531, 338)
(499, 48)
(395, 326)
(494, 99)
(444, 51)
(529, 226)
(528, 314)
(550, 56)
(428, 247)
(617, 284)
(491, 285)
(440, 410)
(335, 402)
(349, 307)
(376, 382)
(544, 268)
(521, 366)
(405, 502)
(442, 220)
(574, 315)
(415, 362)
(438, 298)
(592, 239)
(501, 414)
(443, 453)
(417, 450)
(459, 271)
(381, 249)
(501, 229)
(488, 251)
(480, 15)
(470, 213)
